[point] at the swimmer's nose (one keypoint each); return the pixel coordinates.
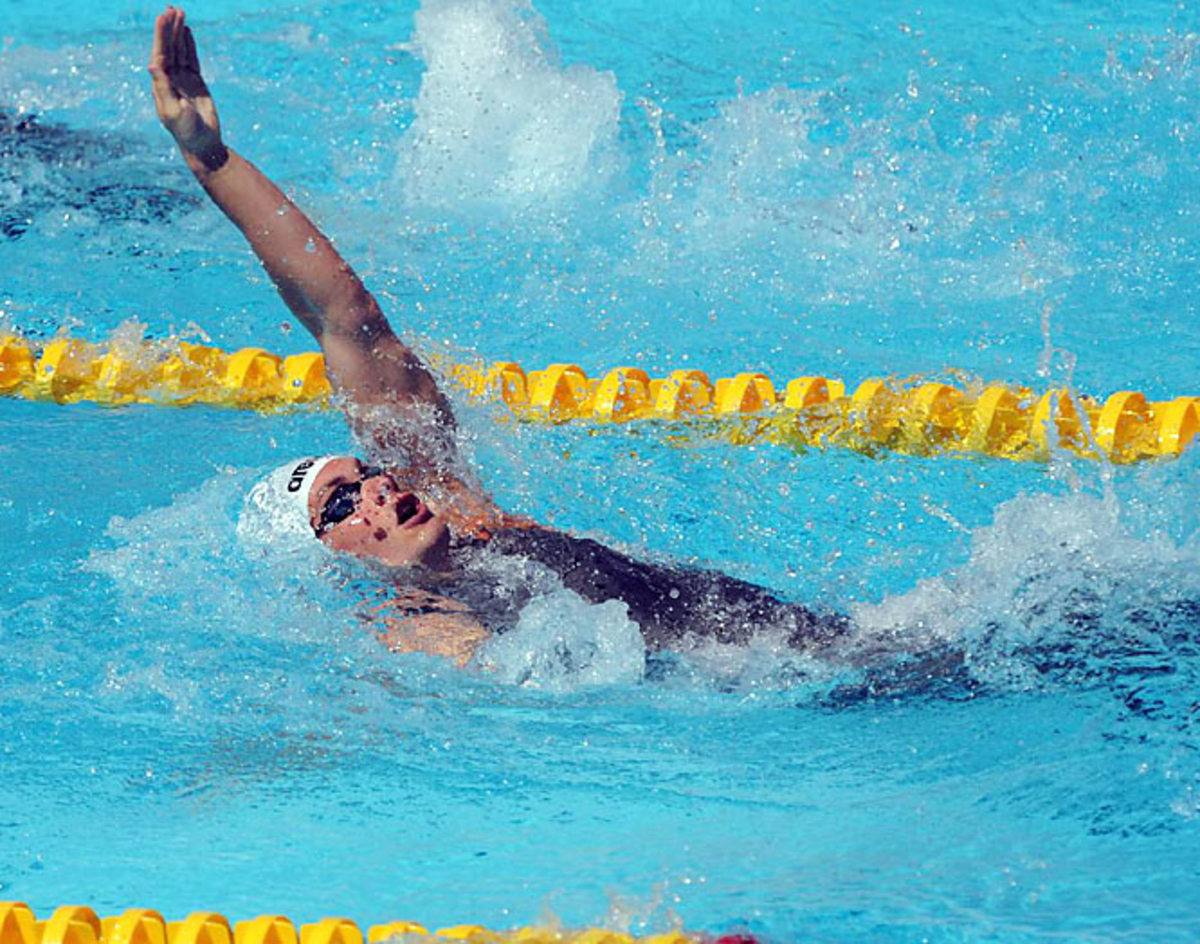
(379, 489)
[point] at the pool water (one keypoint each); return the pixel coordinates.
(965, 192)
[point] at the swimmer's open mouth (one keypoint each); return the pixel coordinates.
(411, 511)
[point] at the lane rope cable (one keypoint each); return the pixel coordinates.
(915, 416)
(78, 924)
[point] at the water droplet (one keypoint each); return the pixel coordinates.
(311, 245)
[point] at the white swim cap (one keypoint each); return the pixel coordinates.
(276, 510)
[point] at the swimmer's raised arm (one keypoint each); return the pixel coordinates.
(364, 357)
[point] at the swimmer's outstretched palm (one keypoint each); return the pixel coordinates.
(184, 104)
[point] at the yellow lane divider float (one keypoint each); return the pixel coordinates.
(76, 924)
(912, 416)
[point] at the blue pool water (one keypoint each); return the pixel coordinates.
(966, 192)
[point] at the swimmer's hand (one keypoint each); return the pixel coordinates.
(419, 621)
(184, 104)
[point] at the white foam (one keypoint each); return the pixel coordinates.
(751, 174)
(1045, 565)
(178, 564)
(499, 122)
(562, 643)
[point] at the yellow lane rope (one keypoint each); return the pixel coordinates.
(77, 924)
(914, 416)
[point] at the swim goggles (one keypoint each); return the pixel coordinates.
(343, 500)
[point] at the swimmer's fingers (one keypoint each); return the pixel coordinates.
(184, 62)
(166, 39)
(175, 47)
(183, 47)
(191, 60)
(164, 54)
(181, 98)
(158, 51)
(166, 99)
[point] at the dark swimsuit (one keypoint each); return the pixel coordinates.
(669, 604)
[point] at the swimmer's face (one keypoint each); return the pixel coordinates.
(363, 512)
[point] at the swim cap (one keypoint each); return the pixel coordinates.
(276, 510)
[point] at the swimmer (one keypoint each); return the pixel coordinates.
(428, 520)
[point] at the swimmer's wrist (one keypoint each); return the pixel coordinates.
(206, 162)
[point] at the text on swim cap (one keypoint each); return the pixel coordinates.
(297, 478)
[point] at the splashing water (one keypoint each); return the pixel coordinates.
(1057, 587)
(497, 122)
(563, 643)
(854, 191)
